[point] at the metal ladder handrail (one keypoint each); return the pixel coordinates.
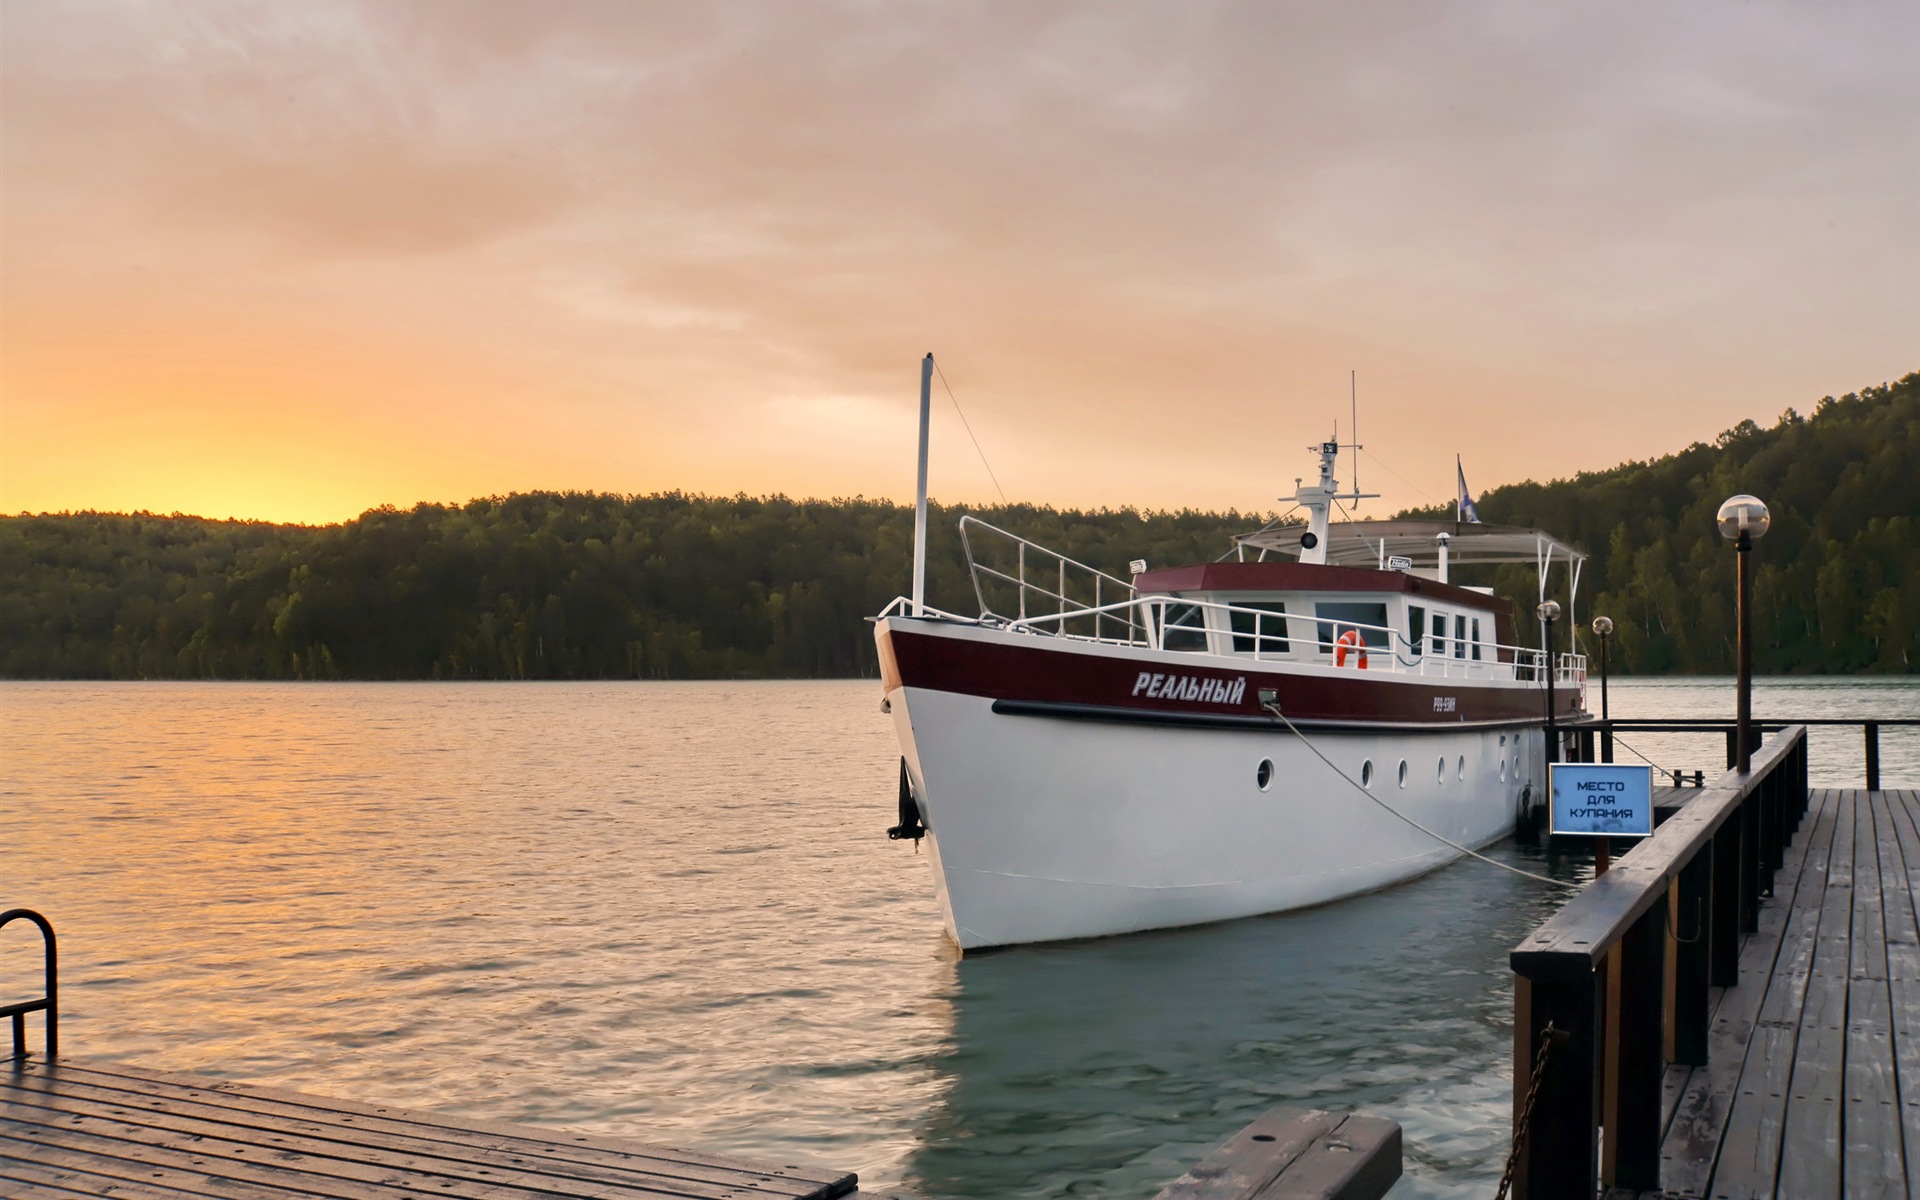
(48, 1003)
(1022, 586)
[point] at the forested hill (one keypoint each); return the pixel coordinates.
(578, 585)
(535, 586)
(1836, 579)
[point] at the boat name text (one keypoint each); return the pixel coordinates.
(1157, 686)
(1445, 703)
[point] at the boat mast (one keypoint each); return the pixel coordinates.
(1317, 500)
(920, 493)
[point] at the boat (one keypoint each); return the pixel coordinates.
(1320, 713)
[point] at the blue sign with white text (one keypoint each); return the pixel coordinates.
(1601, 799)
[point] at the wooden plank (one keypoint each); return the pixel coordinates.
(285, 1167)
(556, 1144)
(1360, 1160)
(1899, 869)
(1298, 1154)
(1253, 1158)
(223, 1145)
(1872, 1159)
(21, 1179)
(1730, 1117)
(1810, 1153)
(346, 1120)
(369, 1140)
(211, 1180)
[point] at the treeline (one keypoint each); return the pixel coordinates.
(674, 586)
(1836, 580)
(535, 586)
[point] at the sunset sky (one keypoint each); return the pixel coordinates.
(294, 260)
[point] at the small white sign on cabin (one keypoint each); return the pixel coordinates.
(1399, 562)
(1601, 799)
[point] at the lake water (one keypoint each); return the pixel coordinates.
(669, 911)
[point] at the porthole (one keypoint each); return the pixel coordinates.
(1516, 766)
(1462, 772)
(1503, 770)
(1403, 772)
(1503, 741)
(1366, 774)
(1440, 769)
(1263, 774)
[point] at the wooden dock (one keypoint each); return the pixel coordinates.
(76, 1129)
(95, 1129)
(1812, 1082)
(1733, 1011)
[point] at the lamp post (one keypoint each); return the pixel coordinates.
(1549, 612)
(1743, 521)
(1603, 628)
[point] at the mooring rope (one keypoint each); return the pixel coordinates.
(1274, 708)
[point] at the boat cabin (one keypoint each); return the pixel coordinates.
(1295, 611)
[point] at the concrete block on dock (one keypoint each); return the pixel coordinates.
(1298, 1154)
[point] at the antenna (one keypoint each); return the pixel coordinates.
(1353, 399)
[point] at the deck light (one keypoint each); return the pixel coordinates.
(1603, 626)
(1549, 611)
(1743, 517)
(1743, 520)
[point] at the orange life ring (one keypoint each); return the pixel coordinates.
(1350, 641)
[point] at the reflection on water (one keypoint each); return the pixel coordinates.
(668, 911)
(1117, 1064)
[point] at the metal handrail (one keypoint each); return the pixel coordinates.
(48, 1003)
(1569, 668)
(1068, 605)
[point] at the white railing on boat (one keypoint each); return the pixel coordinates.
(1073, 603)
(1096, 588)
(1387, 649)
(1188, 630)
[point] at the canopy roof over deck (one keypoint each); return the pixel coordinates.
(1370, 543)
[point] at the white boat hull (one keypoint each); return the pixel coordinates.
(1044, 828)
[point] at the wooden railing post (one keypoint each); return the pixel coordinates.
(1800, 789)
(1693, 943)
(1561, 1156)
(1873, 755)
(1749, 819)
(1636, 991)
(1723, 921)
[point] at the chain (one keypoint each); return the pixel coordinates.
(1547, 1037)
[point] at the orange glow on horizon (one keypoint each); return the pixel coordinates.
(292, 267)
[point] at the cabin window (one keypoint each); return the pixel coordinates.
(1336, 617)
(1260, 631)
(1459, 637)
(1183, 627)
(1439, 635)
(1417, 627)
(1476, 639)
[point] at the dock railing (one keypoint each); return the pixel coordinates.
(49, 1001)
(1615, 985)
(1596, 737)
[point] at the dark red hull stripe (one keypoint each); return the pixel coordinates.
(1263, 724)
(1027, 669)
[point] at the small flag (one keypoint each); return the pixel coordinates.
(1463, 509)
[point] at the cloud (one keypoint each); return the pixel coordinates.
(1141, 231)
